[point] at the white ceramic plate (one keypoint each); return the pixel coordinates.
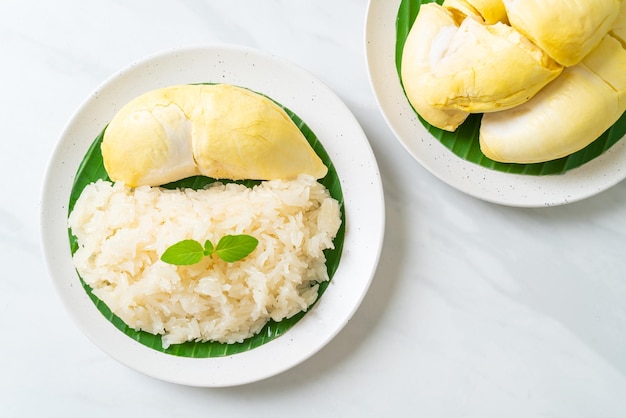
(337, 130)
(490, 185)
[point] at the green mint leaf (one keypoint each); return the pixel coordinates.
(184, 253)
(208, 247)
(232, 248)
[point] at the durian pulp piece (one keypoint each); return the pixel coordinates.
(492, 11)
(608, 61)
(487, 68)
(460, 10)
(619, 26)
(489, 11)
(426, 42)
(238, 134)
(566, 116)
(148, 141)
(566, 30)
(220, 131)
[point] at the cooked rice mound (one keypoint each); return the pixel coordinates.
(123, 232)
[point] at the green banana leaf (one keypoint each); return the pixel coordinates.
(464, 141)
(92, 169)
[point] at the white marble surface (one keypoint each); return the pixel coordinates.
(476, 310)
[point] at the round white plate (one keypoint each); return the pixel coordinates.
(483, 183)
(337, 130)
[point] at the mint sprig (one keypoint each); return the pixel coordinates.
(229, 248)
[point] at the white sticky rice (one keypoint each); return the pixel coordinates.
(123, 232)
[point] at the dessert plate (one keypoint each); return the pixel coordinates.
(336, 129)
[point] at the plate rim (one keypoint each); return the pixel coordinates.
(517, 190)
(330, 314)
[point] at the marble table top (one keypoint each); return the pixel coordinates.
(475, 310)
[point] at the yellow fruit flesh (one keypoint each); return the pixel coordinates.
(619, 26)
(567, 30)
(220, 131)
(245, 136)
(429, 36)
(608, 62)
(492, 11)
(489, 11)
(141, 145)
(567, 115)
(449, 71)
(488, 68)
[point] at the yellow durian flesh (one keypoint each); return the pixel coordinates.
(428, 38)
(220, 131)
(489, 11)
(619, 26)
(488, 68)
(149, 141)
(492, 11)
(608, 61)
(566, 116)
(566, 30)
(551, 125)
(243, 135)
(460, 9)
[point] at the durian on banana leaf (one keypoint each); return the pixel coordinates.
(217, 130)
(473, 67)
(464, 140)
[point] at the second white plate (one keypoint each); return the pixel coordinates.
(490, 185)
